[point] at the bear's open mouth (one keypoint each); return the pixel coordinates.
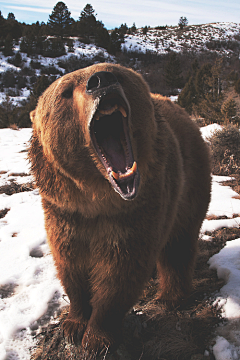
(110, 136)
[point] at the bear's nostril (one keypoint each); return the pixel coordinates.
(100, 79)
(111, 79)
(93, 82)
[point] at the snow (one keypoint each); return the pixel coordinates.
(191, 38)
(209, 130)
(27, 273)
(26, 265)
(81, 50)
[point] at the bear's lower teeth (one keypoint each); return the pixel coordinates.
(117, 176)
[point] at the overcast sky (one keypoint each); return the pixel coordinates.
(142, 12)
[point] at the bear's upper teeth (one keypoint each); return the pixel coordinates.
(109, 111)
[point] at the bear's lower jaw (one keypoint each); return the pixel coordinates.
(110, 137)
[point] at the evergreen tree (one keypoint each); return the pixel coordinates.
(202, 92)
(132, 29)
(11, 16)
(2, 35)
(16, 60)
(87, 12)
(123, 29)
(173, 72)
(183, 21)
(116, 40)
(208, 86)
(70, 45)
(102, 37)
(145, 30)
(53, 47)
(87, 22)
(237, 86)
(202, 83)
(229, 111)
(89, 26)
(8, 46)
(187, 98)
(60, 20)
(13, 27)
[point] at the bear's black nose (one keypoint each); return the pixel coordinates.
(100, 80)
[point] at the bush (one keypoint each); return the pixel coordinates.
(21, 82)
(27, 71)
(16, 60)
(223, 44)
(225, 146)
(9, 78)
(50, 70)
(74, 63)
(53, 47)
(35, 64)
(237, 86)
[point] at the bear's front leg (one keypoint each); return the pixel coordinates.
(80, 309)
(115, 288)
(103, 330)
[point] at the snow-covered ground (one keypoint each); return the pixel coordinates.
(192, 38)
(30, 293)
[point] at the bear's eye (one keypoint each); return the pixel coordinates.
(68, 93)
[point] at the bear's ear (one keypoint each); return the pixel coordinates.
(32, 115)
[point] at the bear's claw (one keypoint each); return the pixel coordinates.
(73, 330)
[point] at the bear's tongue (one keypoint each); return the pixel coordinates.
(114, 152)
(111, 140)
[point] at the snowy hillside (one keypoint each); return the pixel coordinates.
(82, 52)
(222, 38)
(30, 293)
(191, 38)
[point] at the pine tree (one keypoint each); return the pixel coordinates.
(209, 97)
(89, 26)
(53, 47)
(102, 37)
(60, 20)
(229, 110)
(237, 86)
(70, 45)
(13, 27)
(187, 97)
(183, 21)
(8, 46)
(11, 16)
(87, 22)
(116, 40)
(173, 71)
(87, 12)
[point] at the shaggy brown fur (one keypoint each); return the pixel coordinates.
(124, 177)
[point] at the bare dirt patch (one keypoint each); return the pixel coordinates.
(3, 213)
(7, 290)
(14, 188)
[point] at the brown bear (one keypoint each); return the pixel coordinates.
(124, 177)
